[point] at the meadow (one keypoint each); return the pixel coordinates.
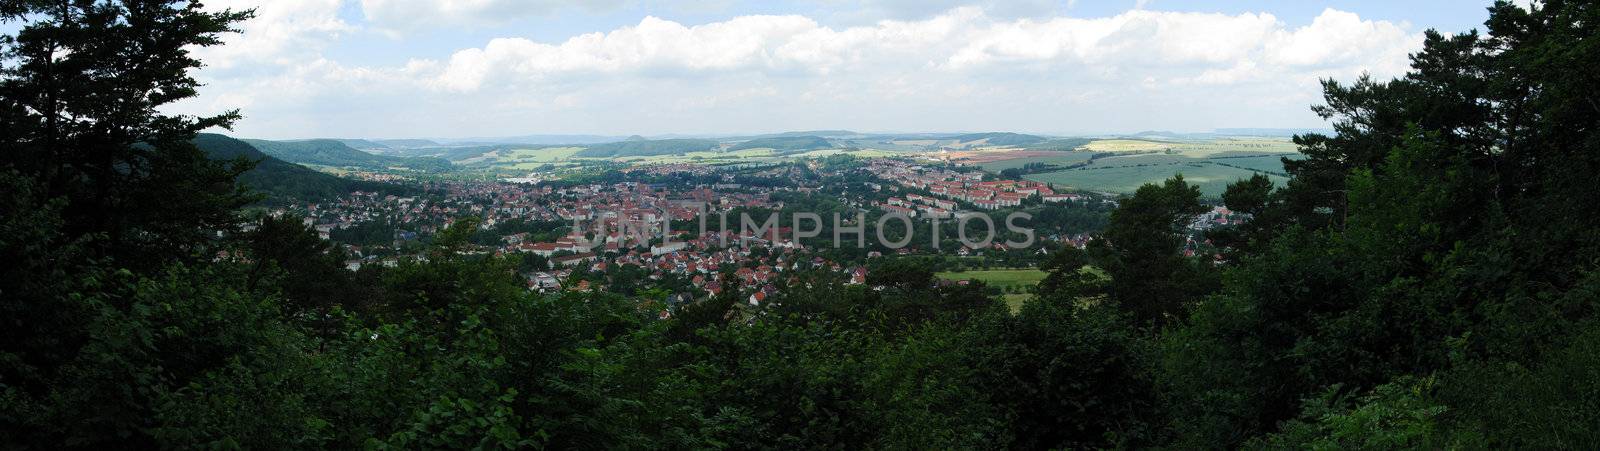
(1213, 179)
(1211, 164)
(1005, 279)
(1066, 158)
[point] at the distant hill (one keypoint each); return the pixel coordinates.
(1063, 144)
(1273, 132)
(280, 179)
(406, 143)
(329, 152)
(647, 148)
(1000, 138)
(362, 144)
(786, 143)
(529, 139)
(824, 133)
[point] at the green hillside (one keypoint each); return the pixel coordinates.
(1064, 144)
(785, 143)
(329, 152)
(362, 144)
(1000, 138)
(280, 179)
(648, 148)
(406, 143)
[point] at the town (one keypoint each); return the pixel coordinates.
(688, 226)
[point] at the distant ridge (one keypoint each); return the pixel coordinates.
(1000, 138)
(279, 179)
(406, 143)
(785, 143)
(648, 148)
(1275, 132)
(362, 144)
(331, 152)
(531, 139)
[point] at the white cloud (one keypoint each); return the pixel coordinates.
(1217, 48)
(1334, 38)
(412, 15)
(963, 69)
(281, 31)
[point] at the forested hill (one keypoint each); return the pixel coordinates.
(278, 179)
(645, 148)
(331, 152)
(785, 143)
(999, 139)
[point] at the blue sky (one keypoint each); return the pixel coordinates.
(456, 68)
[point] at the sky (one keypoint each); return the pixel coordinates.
(484, 68)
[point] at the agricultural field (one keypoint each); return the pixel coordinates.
(534, 159)
(1063, 159)
(1211, 164)
(1194, 147)
(1003, 278)
(546, 155)
(862, 153)
(1266, 163)
(1213, 179)
(1126, 145)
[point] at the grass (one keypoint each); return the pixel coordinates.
(1015, 301)
(1003, 278)
(546, 155)
(1269, 163)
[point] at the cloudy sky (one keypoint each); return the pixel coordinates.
(463, 68)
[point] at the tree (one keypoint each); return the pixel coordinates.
(80, 92)
(98, 184)
(1438, 232)
(1142, 250)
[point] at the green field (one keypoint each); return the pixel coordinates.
(1268, 163)
(1213, 179)
(1064, 159)
(1003, 278)
(547, 155)
(1211, 164)
(862, 153)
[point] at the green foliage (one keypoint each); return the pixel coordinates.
(785, 143)
(1141, 249)
(647, 148)
(1069, 377)
(1426, 279)
(85, 125)
(1000, 138)
(329, 152)
(278, 179)
(1059, 144)
(1397, 415)
(1431, 236)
